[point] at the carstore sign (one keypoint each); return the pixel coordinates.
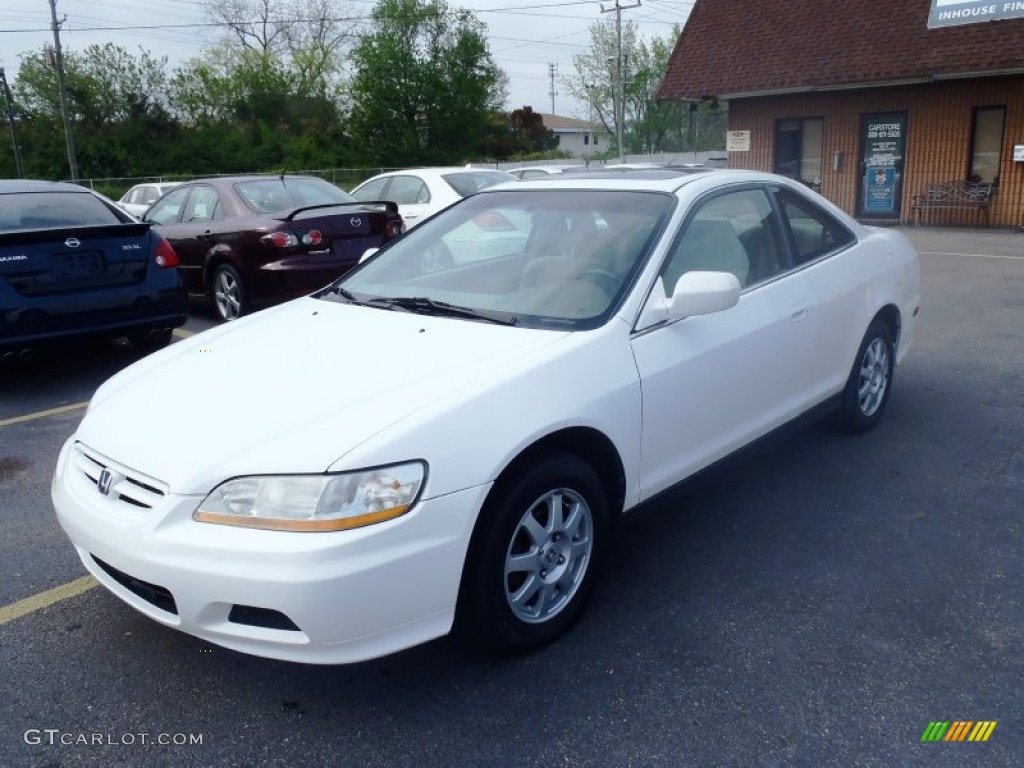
(949, 13)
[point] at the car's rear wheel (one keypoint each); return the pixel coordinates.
(870, 382)
(534, 555)
(229, 296)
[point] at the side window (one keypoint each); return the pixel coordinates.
(986, 145)
(406, 190)
(733, 232)
(167, 210)
(202, 204)
(815, 232)
(148, 195)
(373, 190)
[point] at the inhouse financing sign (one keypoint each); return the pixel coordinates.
(948, 13)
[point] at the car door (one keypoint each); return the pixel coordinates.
(173, 216)
(712, 383)
(413, 198)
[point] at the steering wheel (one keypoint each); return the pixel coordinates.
(607, 281)
(435, 258)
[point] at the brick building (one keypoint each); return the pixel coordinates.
(868, 101)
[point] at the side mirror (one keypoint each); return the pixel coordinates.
(701, 293)
(367, 254)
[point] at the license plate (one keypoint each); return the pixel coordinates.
(85, 264)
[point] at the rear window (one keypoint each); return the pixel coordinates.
(47, 210)
(273, 195)
(471, 182)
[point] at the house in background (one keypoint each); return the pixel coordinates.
(582, 139)
(868, 102)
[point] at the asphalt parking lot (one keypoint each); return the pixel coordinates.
(815, 601)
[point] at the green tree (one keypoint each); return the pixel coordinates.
(424, 84)
(650, 125)
(117, 102)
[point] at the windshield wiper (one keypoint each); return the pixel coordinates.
(337, 290)
(421, 305)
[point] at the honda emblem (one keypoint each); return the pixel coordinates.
(103, 484)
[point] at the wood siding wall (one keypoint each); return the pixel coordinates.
(938, 138)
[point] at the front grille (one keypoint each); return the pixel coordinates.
(153, 594)
(261, 617)
(126, 485)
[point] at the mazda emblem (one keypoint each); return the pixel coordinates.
(355, 221)
(103, 484)
(72, 242)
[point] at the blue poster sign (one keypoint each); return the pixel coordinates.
(880, 189)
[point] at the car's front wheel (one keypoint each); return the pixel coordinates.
(229, 296)
(870, 381)
(534, 555)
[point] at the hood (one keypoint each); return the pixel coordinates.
(290, 390)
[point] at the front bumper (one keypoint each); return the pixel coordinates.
(324, 598)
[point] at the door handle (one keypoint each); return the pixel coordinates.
(799, 313)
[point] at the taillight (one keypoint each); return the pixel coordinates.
(313, 237)
(393, 229)
(280, 239)
(164, 254)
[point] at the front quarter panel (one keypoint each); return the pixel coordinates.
(471, 435)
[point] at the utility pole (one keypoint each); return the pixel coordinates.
(10, 118)
(552, 74)
(620, 82)
(59, 56)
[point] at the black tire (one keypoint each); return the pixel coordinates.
(150, 340)
(867, 389)
(230, 299)
(564, 557)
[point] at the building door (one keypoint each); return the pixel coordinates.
(883, 139)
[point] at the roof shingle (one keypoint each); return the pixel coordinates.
(777, 45)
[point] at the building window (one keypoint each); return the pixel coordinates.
(986, 145)
(586, 139)
(798, 149)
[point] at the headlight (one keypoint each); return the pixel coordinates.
(314, 502)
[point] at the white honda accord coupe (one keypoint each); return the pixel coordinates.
(444, 437)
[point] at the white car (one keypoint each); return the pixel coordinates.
(417, 447)
(542, 171)
(422, 192)
(138, 199)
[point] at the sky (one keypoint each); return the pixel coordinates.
(525, 36)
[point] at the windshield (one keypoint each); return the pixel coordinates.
(43, 210)
(559, 258)
(468, 183)
(271, 195)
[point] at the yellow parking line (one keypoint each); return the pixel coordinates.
(9, 613)
(42, 414)
(181, 333)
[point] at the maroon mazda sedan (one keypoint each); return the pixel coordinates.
(250, 241)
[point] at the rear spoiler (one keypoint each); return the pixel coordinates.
(386, 204)
(127, 229)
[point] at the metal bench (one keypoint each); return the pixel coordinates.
(957, 195)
